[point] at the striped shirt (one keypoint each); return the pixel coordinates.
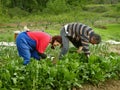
(80, 32)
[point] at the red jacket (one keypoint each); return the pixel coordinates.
(42, 40)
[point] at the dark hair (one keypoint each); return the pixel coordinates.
(56, 38)
(97, 38)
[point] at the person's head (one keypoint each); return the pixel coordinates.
(56, 41)
(95, 39)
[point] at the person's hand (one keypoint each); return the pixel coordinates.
(79, 49)
(43, 56)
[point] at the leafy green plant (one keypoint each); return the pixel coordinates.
(73, 70)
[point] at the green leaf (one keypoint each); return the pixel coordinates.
(0, 83)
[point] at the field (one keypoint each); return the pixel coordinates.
(111, 33)
(71, 72)
(74, 72)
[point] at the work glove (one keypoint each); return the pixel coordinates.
(43, 56)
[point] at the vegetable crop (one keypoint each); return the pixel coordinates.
(73, 70)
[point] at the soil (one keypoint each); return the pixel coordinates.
(108, 85)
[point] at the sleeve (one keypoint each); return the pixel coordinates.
(85, 47)
(65, 47)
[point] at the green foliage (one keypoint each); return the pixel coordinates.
(56, 6)
(108, 33)
(113, 14)
(0, 9)
(54, 14)
(105, 1)
(72, 71)
(7, 33)
(12, 12)
(51, 6)
(74, 4)
(118, 7)
(97, 9)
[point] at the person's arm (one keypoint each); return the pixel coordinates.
(65, 46)
(86, 48)
(79, 49)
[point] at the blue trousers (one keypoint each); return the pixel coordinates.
(26, 47)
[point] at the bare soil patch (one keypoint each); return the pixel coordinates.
(108, 85)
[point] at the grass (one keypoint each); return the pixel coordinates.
(111, 33)
(52, 24)
(6, 35)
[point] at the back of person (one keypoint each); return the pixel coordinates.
(78, 31)
(80, 35)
